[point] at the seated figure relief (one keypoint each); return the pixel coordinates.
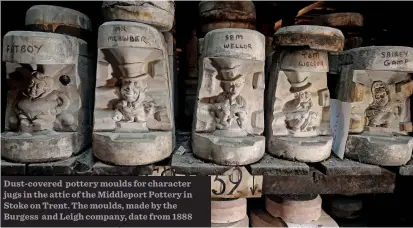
(135, 106)
(298, 116)
(130, 106)
(48, 111)
(382, 112)
(133, 102)
(40, 103)
(377, 83)
(229, 106)
(229, 116)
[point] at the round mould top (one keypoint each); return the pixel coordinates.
(309, 29)
(227, 11)
(316, 37)
(159, 14)
(339, 20)
(168, 6)
(54, 16)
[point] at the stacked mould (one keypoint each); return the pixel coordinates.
(291, 211)
(298, 113)
(349, 24)
(213, 15)
(49, 113)
(376, 82)
(133, 116)
(229, 117)
(229, 213)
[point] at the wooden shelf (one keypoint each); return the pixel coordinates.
(319, 183)
(333, 176)
(271, 166)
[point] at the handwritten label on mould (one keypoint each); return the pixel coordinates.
(23, 48)
(395, 58)
(231, 42)
(310, 59)
(126, 37)
(340, 123)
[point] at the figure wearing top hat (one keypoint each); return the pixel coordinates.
(229, 106)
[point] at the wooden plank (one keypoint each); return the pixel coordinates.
(337, 167)
(76, 165)
(278, 25)
(309, 8)
(407, 170)
(271, 166)
(319, 183)
(12, 169)
(190, 165)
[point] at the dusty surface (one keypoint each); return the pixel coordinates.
(56, 19)
(159, 14)
(339, 167)
(226, 14)
(48, 116)
(229, 117)
(133, 115)
(227, 10)
(313, 36)
(271, 166)
(188, 164)
(376, 82)
(339, 19)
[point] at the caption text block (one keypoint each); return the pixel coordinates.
(105, 201)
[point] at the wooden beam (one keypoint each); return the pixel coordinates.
(288, 19)
(278, 25)
(319, 183)
(309, 8)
